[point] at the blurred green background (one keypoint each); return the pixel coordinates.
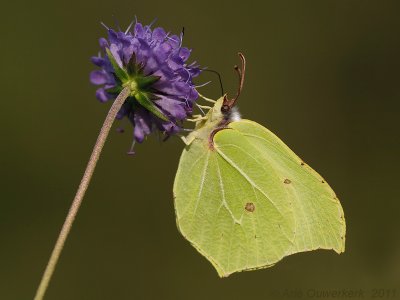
(322, 75)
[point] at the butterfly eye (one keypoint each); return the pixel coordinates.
(225, 108)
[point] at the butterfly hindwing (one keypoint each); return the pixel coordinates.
(231, 205)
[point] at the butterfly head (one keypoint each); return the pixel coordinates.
(222, 113)
(224, 109)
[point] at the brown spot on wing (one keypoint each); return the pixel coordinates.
(250, 207)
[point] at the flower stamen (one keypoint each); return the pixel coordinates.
(203, 84)
(131, 151)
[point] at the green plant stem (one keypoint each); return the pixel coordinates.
(101, 139)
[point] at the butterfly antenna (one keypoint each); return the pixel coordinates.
(241, 73)
(229, 103)
(219, 77)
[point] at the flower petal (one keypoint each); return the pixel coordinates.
(169, 128)
(98, 77)
(98, 61)
(193, 94)
(142, 124)
(102, 95)
(174, 41)
(125, 108)
(103, 43)
(159, 34)
(138, 30)
(173, 107)
(115, 52)
(162, 51)
(184, 53)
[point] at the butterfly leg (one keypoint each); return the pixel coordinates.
(207, 99)
(197, 118)
(204, 106)
(201, 109)
(187, 139)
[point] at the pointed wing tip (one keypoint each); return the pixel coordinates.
(222, 274)
(340, 250)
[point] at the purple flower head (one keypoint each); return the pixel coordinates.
(153, 64)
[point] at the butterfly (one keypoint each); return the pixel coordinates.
(244, 199)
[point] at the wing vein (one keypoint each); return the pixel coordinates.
(248, 179)
(203, 176)
(224, 203)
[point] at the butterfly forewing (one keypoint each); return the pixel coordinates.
(318, 213)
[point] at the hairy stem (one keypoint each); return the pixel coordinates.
(101, 139)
